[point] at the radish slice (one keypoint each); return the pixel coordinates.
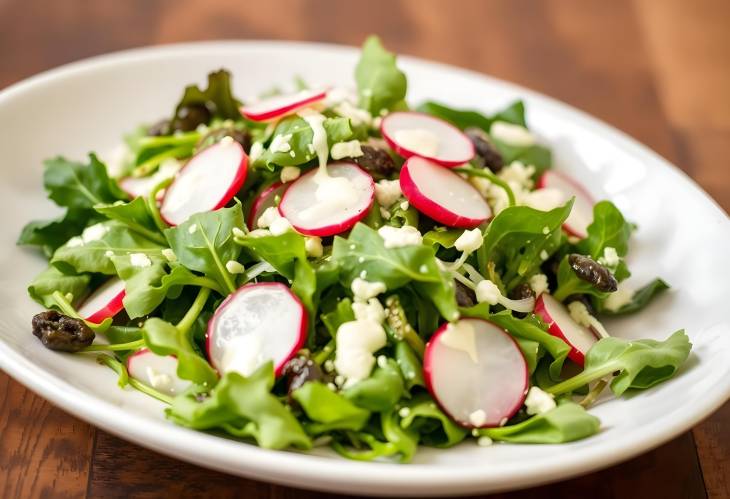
(156, 371)
(258, 323)
(418, 134)
(318, 205)
(442, 194)
(281, 105)
(105, 302)
(265, 199)
(581, 215)
(562, 325)
(207, 182)
(476, 372)
(142, 186)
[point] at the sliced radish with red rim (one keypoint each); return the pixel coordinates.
(581, 216)
(265, 199)
(418, 134)
(562, 325)
(104, 302)
(319, 205)
(258, 323)
(207, 182)
(156, 371)
(281, 105)
(442, 194)
(476, 372)
(142, 186)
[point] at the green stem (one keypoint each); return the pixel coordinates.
(151, 164)
(206, 282)
(150, 391)
(125, 380)
(152, 204)
(189, 138)
(194, 311)
(116, 347)
(594, 393)
(583, 379)
(327, 350)
(563, 292)
(69, 310)
(484, 173)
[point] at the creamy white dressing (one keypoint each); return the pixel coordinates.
(460, 336)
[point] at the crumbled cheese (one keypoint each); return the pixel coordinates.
(356, 342)
(398, 237)
(259, 233)
(280, 143)
(372, 310)
(192, 229)
(417, 140)
(235, 267)
(272, 220)
(350, 149)
(580, 314)
(484, 441)
(382, 361)
(405, 205)
(610, 257)
(289, 174)
(169, 255)
(512, 134)
(469, 241)
(488, 292)
(74, 242)
(544, 255)
(238, 232)
(387, 192)
(363, 273)
(329, 366)
(280, 226)
(364, 290)
(313, 246)
(544, 199)
(94, 232)
(546, 230)
(539, 401)
(461, 336)
(478, 418)
(518, 173)
(139, 260)
(108, 253)
(257, 149)
(227, 140)
(622, 296)
(384, 213)
(539, 284)
(404, 412)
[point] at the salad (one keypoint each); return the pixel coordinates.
(328, 267)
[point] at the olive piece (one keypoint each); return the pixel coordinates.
(521, 292)
(376, 161)
(240, 136)
(189, 117)
(487, 154)
(162, 127)
(61, 332)
(593, 272)
(465, 297)
(299, 370)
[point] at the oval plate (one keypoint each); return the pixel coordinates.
(683, 236)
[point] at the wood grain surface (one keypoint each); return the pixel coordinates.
(657, 69)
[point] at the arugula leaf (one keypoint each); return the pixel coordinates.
(49, 235)
(217, 97)
(403, 440)
(163, 338)
(381, 391)
(244, 407)
(51, 280)
(435, 428)
(640, 364)
(443, 238)
(328, 410)
(135, 215)
(641, 298)
(364, 250)
(535, 155)
(566, 423)
(380, 84)
(339, 315)
(204, 243)
(409, 364)
(466, 118)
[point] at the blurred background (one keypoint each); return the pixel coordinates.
(657, 69)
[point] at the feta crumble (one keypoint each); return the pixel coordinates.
(349, 149)
(280, 143)
(313, 246)
(235, 267)
(139, 260)
(398, 237)
(539, 284)
(289, 174)
(364, 290)
(539, 401)
(469, 241)
(169, 255)
(387, 192)
(478, 418)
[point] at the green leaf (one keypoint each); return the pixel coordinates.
(75, 185)
(328, 410)
(640, 364)
(535, 155)
(403, 440)
(94, 249)
(466, 118)
(49, 235)
(608, 229)
(163, 338)
(217, 97)
(204, 243)
(641, 298)
(51, 279)
(242, 406)
(443, 238)
(530, 351)
(381, 391)
(409, 364)
(339, 315)
(380, 84)
(435, 427)
(566, 423)
(135, 215)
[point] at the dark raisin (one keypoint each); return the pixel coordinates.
(593, 272)
(465, 296)
(377, 162)
(299, 370)
(188, 118)
(61, 332)
(487, 153)
(521, 292)
(162, 127)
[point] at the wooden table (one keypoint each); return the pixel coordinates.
(659, 70)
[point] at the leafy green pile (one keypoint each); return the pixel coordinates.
(169, 302)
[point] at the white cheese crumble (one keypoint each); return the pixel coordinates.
(139, 260)
(539, 401)
(313, 246)
(512, 134)
(519, 173)
(356, 342)
(539, 284)
(488, 292)
(405, 205)
(372, 310)
(579, 313)
(364, 290)
(280, 143)
(94, 232)
(387, 192)
(235, 267)
(350, 149)
(398, 237)
(74, 242)
(192, 229)
(404, 412)
(169, 255)
(289, 174)
(329, 366)
(610, 257)
(418, 140)
(461, 336)
(238, 232)
(544, 255)
(272, 220)
(257, 149)
(484, 441)
(622, 296)
(469, 241)
(478, 418)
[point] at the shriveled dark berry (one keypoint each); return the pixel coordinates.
(240, 136)
(465, 297)
(593, 272)
(162, 127)
(487, 154)
(299, 370)
(521, 292)
(61, 332)
(376, 161)
(188, 118)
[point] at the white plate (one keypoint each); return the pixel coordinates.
(683, 236)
